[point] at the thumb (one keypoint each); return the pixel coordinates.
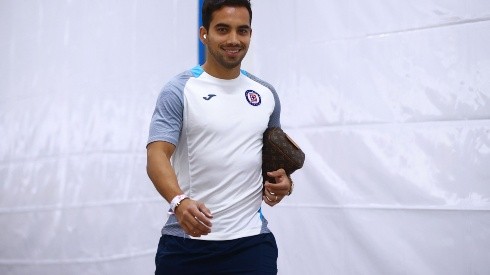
(276, 173)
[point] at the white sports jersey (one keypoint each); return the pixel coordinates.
(217, 127)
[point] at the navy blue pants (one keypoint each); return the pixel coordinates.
(250, 255)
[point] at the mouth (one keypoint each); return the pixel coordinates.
(232, 52)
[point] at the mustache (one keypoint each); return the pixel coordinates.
(234, 45)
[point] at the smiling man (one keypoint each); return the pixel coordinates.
(205, 156)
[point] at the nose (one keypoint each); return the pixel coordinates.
(233, 38)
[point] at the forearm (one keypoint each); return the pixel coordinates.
(162, 175)
(193, 216)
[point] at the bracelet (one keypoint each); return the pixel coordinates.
(291, 187)
(176, 202)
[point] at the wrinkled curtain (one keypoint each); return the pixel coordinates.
(390, 102)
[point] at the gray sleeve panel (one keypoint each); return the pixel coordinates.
(167, 119)
(275, 118)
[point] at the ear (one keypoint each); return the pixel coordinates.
(202, 33)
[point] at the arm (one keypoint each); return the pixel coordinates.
(160, 170)
(193, 216)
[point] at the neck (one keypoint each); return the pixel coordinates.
(221, 73)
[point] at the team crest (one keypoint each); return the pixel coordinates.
(253, 97)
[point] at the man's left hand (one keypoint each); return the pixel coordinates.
(275, 192)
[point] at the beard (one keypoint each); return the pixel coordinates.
(228, 62)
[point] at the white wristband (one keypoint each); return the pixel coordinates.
(176, 202)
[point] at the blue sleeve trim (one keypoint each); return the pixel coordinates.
(197, 71)
(260, 212)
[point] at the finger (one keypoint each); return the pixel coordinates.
(195, 230)
(195, 233)
(193, 226)
(188, 229)
(204, 215)
(269, 201)
(201, 225)
(277, 173)
(267, 198)
(276, 189)
(277, 195)
(270, 185)
(205, 210)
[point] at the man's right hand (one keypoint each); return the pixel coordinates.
(194, 217)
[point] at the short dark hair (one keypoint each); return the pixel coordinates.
(210, 6)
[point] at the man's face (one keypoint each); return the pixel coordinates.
(228, 37)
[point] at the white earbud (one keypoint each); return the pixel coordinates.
(204, 36)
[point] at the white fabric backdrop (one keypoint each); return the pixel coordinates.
(390, 101)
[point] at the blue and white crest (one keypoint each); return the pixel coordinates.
(253, 97)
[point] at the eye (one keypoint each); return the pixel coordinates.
(221, 30)
(243, 31)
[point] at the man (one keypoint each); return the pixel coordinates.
(204, 156)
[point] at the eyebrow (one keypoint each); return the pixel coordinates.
(223, 25)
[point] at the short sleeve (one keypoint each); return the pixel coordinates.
(167, 119)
